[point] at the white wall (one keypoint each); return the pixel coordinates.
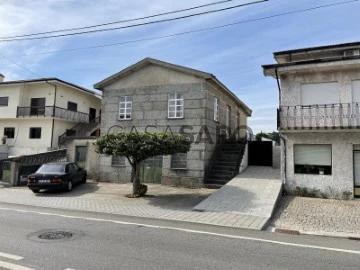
(60, 127)
(13, 92)
(21, 139)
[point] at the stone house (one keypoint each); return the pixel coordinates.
(152, 95)
(319, 117)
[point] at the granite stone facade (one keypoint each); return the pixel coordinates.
(149, 83)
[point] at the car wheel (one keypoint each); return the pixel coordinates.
(69, 186)
(83, 180)
(35, 190)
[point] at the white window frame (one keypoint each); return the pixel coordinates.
(216, 109)
(125, 107)
(176, 106)
(312, 157)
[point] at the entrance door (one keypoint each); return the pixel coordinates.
(357, 173)
(92, 114)
(151, 170)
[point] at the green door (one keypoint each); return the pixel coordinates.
(151, 170)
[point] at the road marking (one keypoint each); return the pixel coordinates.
(11, 266)
(189, 231)
(11, 256)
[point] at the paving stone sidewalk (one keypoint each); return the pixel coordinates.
(319, 216)
(162, 202)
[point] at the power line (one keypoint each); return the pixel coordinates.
(196, 30)
(117, 22)
(21, 66)
(136, 25)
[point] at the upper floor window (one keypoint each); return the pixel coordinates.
(72, 106)
(216, 109)
(176, 106)
(35, 133)
(4, 101)
(319, 93)
(228, 115)
(9, 132)
(125, 107)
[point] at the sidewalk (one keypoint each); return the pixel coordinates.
(318, 216)
(161, 202)
(245, 202)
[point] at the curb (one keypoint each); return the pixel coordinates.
(287, 231)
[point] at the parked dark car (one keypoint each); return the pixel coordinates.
(63, 175)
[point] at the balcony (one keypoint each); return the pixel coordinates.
(328, 116)
(52, 111)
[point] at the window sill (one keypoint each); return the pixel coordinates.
(174, 118)
(118, 166)
(312, 174)
(179, 169)
(128, 119)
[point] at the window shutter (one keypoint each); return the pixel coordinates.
(320, 93)
(312, 155)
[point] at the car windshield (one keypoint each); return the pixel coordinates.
(51, 168)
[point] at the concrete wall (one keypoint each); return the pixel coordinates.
(92, 159)
(291, 84)
(21, 144)
(14, 94)
(342, 178)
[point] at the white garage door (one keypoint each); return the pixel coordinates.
(320, 93)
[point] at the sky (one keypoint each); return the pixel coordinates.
(234, 54)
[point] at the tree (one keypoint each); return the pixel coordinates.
(138, 146)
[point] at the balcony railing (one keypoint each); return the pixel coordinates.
(52, 111)
(328, 116)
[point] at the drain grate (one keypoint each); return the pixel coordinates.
(56, 235)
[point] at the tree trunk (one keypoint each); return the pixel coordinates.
(136, 178)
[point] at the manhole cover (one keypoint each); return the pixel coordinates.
(54, 235)
(57, 235)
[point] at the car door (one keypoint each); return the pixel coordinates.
(77, 172)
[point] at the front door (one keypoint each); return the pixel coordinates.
(357, 174)
(151, 170)
(92, 114)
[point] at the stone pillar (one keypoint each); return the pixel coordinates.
(14, 172)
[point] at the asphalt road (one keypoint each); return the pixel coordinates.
(105, 241)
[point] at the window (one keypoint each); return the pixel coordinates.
(9, 132)
(80, 155)
(176, 106)
(216, 109)
(72, 106)
(312, 158)
(319, 93)
(117, 161)
(37, 106)
(228, 115)
(4, 101)
(179, 161)
(125, 107)
(35, 133)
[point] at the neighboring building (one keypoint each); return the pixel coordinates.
(34, 113)
(319, 117)
(158, 94)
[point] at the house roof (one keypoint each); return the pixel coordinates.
(51, 79)
(147, 61)
(318, 48)
(270, 69)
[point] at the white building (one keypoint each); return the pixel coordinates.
(319, 117)
(34, 113)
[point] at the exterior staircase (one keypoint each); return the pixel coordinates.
(80, 130)
(225, 164)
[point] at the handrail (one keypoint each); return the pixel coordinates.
(319, 116)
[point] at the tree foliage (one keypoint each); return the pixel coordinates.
(138, 146)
